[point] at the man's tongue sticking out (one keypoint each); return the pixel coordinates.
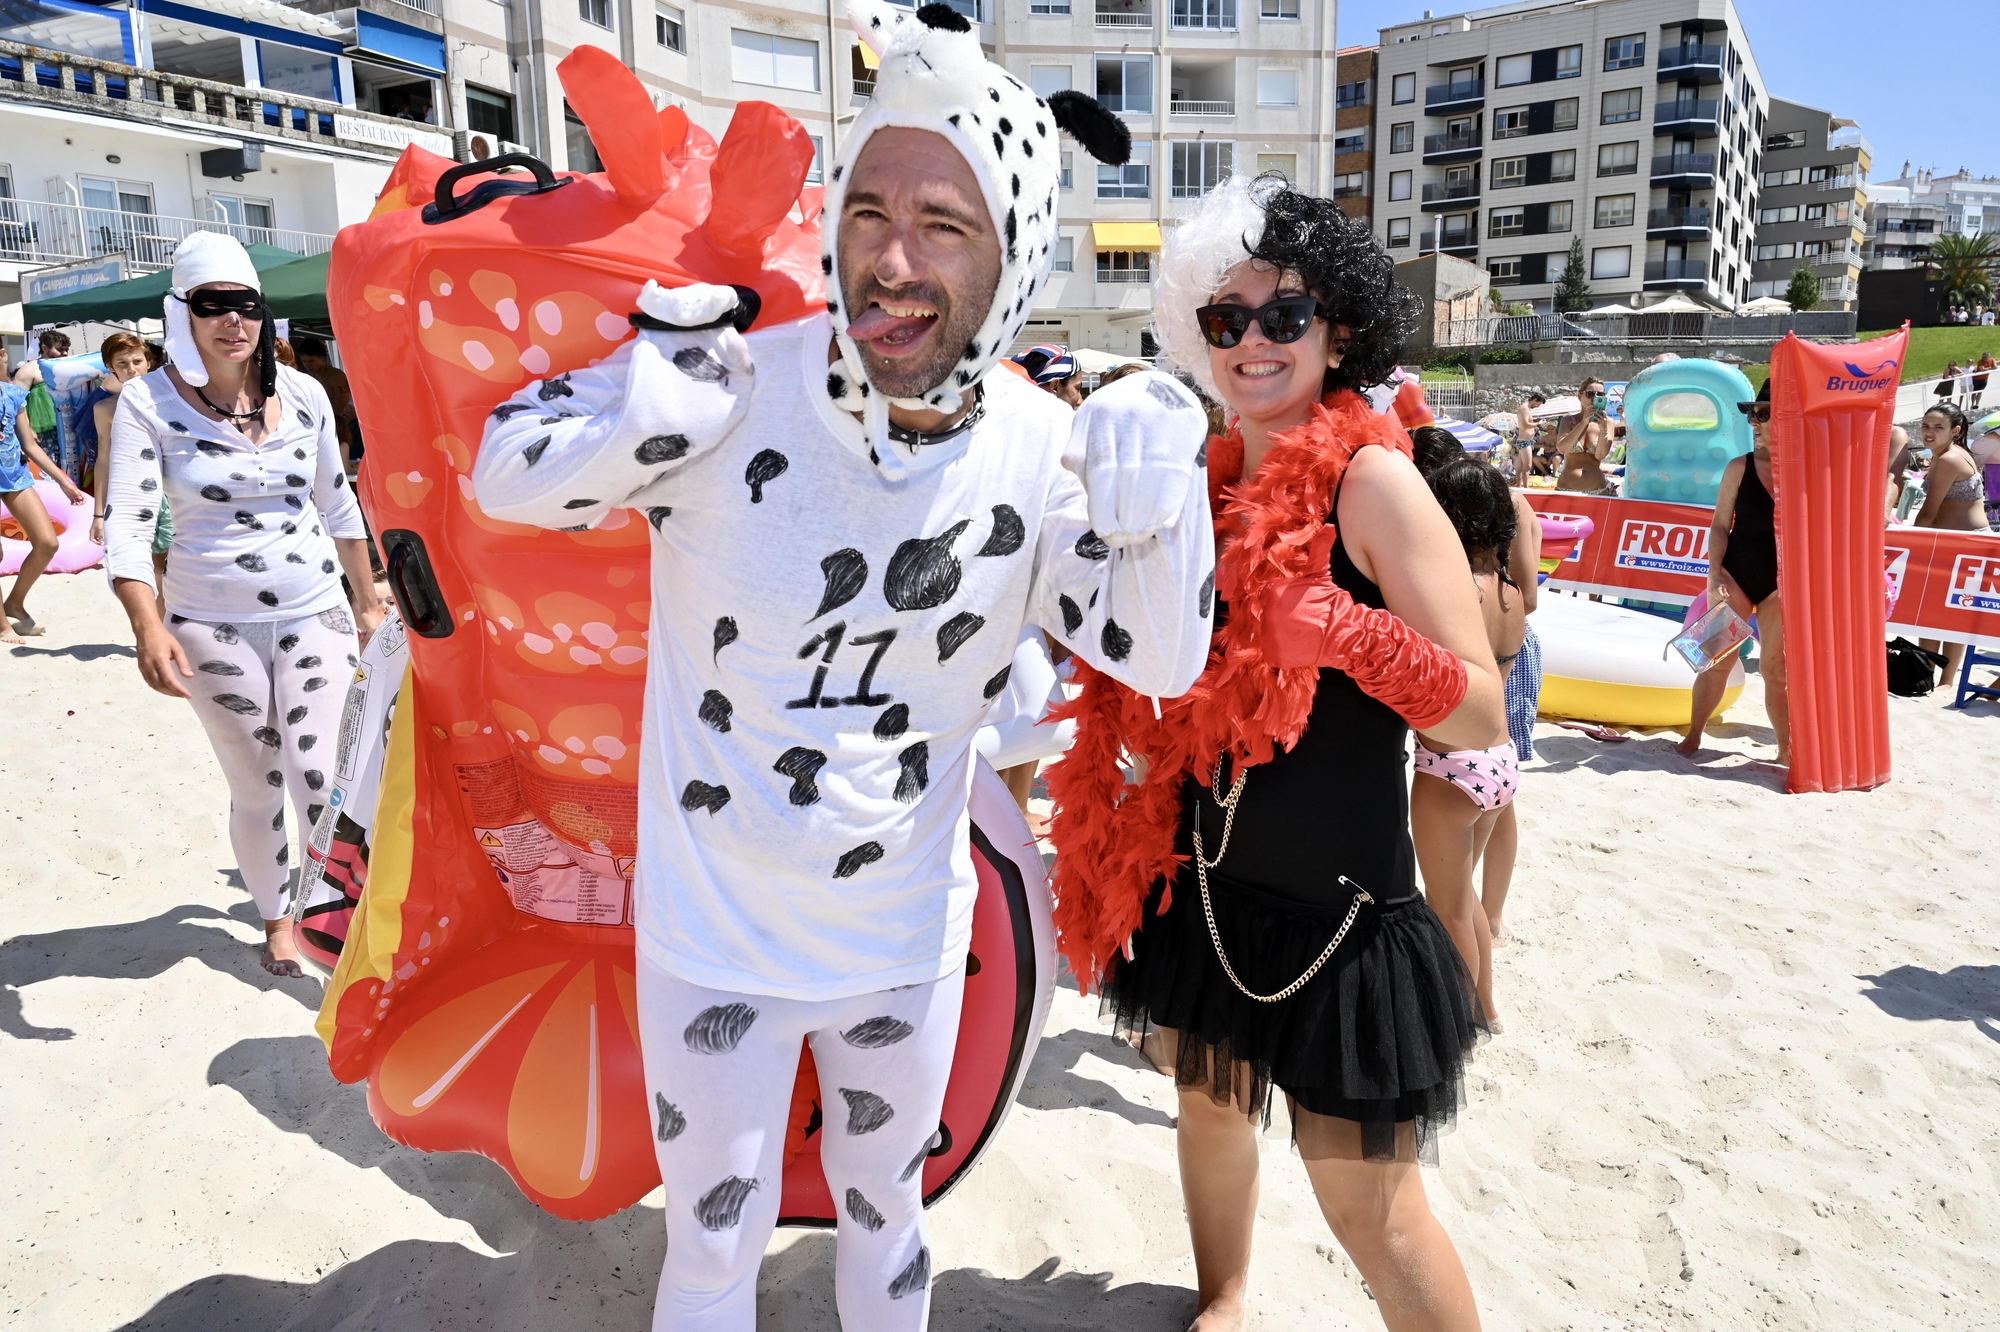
(893, 328)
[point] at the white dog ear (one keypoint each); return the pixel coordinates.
(873, 22)
(1103, 135)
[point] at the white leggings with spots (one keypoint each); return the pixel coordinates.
(270, 696)
(719, 1073)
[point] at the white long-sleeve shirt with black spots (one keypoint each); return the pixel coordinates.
(253, 524)
(826, 642)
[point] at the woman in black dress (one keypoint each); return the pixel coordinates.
(1290, 948)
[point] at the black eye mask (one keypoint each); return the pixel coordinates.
(213, 304)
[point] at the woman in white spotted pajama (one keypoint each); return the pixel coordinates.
(258, 633)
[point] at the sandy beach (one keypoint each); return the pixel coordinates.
(1750, 1077)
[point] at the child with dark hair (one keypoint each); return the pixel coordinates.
(1459, 796)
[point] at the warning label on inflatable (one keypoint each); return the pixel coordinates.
(546, 877)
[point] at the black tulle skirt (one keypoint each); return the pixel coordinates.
(1378, 1037)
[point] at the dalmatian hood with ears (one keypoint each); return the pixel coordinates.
(934, 76)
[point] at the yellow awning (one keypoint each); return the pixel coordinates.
(868, 57)
(1125, 235)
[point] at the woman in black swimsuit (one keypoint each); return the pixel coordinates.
(1743, 567)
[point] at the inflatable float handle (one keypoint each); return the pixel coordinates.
(445, 207)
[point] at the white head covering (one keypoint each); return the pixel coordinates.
(935, 77)
(205, 257)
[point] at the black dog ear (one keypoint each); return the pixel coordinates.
(943, 16)
(1102, 134)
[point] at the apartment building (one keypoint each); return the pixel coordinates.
(1354, 130)
(1918, 206)
(1812, 209)
(1633, 125)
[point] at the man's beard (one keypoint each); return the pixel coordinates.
(907, 376)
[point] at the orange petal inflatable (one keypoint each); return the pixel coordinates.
(485, 984)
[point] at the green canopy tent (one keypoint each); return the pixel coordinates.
(295, 287)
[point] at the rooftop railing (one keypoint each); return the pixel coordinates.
(49, 234)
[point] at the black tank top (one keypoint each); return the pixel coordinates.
(1756, 514)
(1338, 802)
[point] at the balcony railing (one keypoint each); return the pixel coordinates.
(1124, 18)
(1686, 109)
(1849, 136)
(1835, 183)
(63, 79)
(1684, 164)
(32, 232)
(1432, 242)
(1125, 275)
(1677, 270)
(1678, 219)
(1183, 107)
(1690, 59)
(1451, 142)
(1445, 94)
(1436, 194)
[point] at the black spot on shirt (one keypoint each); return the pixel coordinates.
(1072, 614)
(715, 709)
(767, 466)
(533, 453)
(658, 514)
(998, 682)
(852, 862)
(895, 720)
(1009, 532)
(956, 632)
(923, 573)
(725, 634)
(251, 563)
(802, 765)
(216, 493)
(1091, 546)
(268, 597)
(1117, 644)
(916, 772)
(846, 574)
(659, 449)
(700, 795)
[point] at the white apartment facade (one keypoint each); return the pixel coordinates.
(1918, 206)
(1633, 125)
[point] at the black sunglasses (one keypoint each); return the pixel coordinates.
(1283, 320)
(1758, 412)
(214, 304)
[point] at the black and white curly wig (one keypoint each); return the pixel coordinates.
(1333, 255)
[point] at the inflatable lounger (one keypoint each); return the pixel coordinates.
(484, 985)
(75, 551)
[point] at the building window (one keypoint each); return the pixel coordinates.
(1788, 139)
(1134, 180)
(1504, 272)
(1047, 80)
(1048, 6)
(1285, 164)
(576, 142)
(1068, 170)
(858, 73)
(595, 11)
(1559, 215)
(1625, 52)
(1766, 216)
(1815, 212)
(1399, 233)
(488, 112)
(1621, 106)
(1125, 84)
(1216, 15)
(1787, 250)
(1565, 114)
(1399, 186)
(1510, 122)
(1818, 173)
(1792, 177)
(1403, 89)
(1350, 186)
(1351, 143)
(1506, 222)
(1618, 159)
(815, 173)
(1615, 262)
(1616, 210)
(1284, 10)
(1509, 172)
(1278, 87)
(1514, 69)
(1562, 165)
(1124, 265)
(1066, 255)
(1350, 94)
(772, 61)
(670, 28)
(1811, 248)
(1569, 62)
(1199, 167)
(1403, 137)
(250, 220)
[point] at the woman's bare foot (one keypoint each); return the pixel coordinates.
(7, 634)
(1498, 931)
(24, 623)
(1223, 1314)
(281, 950)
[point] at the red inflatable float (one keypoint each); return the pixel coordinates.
(485, 983)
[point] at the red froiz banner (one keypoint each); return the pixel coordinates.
(1947, 583)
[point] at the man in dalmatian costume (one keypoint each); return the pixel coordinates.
(854, 521)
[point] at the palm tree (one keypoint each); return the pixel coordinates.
(1966, 266)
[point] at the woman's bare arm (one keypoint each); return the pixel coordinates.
(1524, 558)
(1401, 541)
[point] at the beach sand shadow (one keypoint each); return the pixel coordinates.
(135, 950)
(429, 1286)
(80, 651)
(1918, 994)
(1641, 753)
(1053, 1084)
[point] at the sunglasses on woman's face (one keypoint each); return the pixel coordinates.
(1758, 412)
(1283, 320)
(214, 304)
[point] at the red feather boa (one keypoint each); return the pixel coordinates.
(1115, 840)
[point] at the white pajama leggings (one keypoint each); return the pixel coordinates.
(270, 695)
(719, 1074)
